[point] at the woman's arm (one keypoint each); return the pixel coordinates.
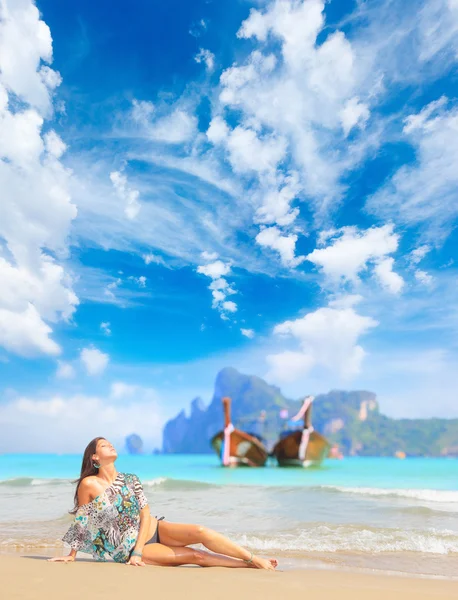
(85, 494)
(145, 522)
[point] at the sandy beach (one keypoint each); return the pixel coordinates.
(33, 578)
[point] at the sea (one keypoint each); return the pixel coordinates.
(365, 514)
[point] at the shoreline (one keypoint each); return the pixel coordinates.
(287, 565)
(27, 577)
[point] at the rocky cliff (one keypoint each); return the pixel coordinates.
(351, 419)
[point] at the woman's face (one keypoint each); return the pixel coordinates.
(105, 452)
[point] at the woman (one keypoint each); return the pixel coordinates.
(112, 518)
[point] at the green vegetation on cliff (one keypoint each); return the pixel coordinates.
(350, 419)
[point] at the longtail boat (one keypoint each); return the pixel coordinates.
(301, 447)
(235, 447)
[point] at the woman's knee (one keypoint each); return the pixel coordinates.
(200, 558)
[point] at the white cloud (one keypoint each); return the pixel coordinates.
(211, 256)
(164, 123)
(65, 370)
(218, 130)
(249, 333)
(175, 128)
(206, 57)
(35, 211)
(346, 301)
(387, 277)
(353, 113)
(30, 295)
(94, 361)
(276, 201)
(153, 258)
(25, 41)
(54, 145)
(438, 30)
(34, 424)
(105, 327)
(300, 105)
(425, 192)
(289, 366)
(121, 390)
(283, 111)
(112, 287)
(25, 333)
(418, 121)
(285, 245)
(229, 306)
(128, 195)
(142, 111)
(312, 100)
(418, 254)
(180, 213)
(327, 338)
(248, 152)
(424, 277)
(219, 286)
(42, 283)
(297, 101)
(351, 251)
(140, 281)
(198, 28)
(215, 270)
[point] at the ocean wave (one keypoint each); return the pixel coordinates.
(433, 499)
(32, 481)
(154, 482)
(425, 495)
(347, 538)
(320, 538)
(29, 543)
(168, 483)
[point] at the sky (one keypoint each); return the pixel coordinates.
(187, 186)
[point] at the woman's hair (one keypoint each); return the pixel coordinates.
(87, 468)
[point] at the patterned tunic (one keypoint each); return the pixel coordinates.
(109, 524)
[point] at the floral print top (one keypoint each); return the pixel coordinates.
(109, 524)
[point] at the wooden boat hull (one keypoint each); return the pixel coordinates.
(286, 450)
(245, 450)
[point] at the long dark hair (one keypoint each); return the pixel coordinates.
(87, 468)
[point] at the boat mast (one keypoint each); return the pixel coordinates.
(228, 429)
(227, 411)
(308, 416)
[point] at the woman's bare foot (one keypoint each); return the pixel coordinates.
(269, 564)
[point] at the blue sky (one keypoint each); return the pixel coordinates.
(269, 185)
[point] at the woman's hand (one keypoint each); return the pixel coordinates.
(65, 559)
(136, 561)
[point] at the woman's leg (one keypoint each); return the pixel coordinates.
(179, 534)
(161, 555)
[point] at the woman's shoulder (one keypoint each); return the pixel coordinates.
(87, 489)
(88, 483)
(89, 480)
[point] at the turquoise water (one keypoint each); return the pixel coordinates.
(366, 513)
(388, 473)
